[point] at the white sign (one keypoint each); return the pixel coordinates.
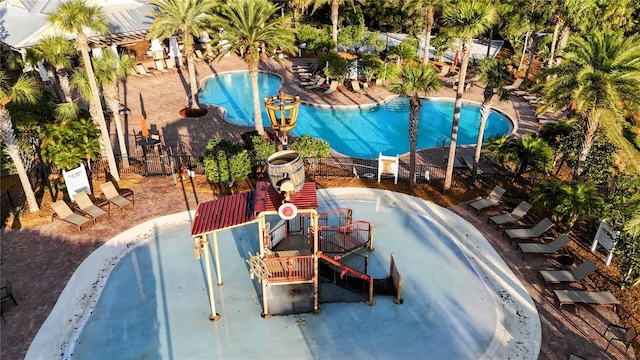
(76, 181)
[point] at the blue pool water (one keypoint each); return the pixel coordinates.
(361, 133)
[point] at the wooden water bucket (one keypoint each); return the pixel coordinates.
(286, 165)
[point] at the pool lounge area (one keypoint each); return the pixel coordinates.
(160, 306)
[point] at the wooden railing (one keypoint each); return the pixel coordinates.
(290, 268)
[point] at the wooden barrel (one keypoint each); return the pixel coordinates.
(286, 165)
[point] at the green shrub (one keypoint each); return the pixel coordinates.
(260, 147)
(372, 66)
(310, 147)
(225, 161)
(338, 68)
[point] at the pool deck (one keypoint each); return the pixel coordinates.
(40, 260)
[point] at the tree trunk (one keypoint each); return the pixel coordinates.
(64, 85)
(114, 106)
(587, 143)
(554, 41)
(257, 113)
(524, 49)
(563, 40)
(11, 147)
(456, 113)
(414, 121)
(427, 38)
(193, 82)
(485, 110)
(334, 22)
(532, 51)
(97, 105)
(489, 44)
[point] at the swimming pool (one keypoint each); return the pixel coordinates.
(360, 133)
(143, 295)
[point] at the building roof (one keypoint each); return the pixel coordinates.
(24, 22)
(238, 209)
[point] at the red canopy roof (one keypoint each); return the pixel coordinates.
(237, 209)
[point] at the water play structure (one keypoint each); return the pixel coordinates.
(305, 257)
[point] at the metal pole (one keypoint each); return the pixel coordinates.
(173, 168)
(207, 261)
(215, 248)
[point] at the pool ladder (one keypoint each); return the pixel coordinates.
(442, 141)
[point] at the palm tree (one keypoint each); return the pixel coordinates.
(74, 17)
(109, 71)
(335, 6)
(24, 90)
(494, 74)
(570, 11)
(426, 8)
(416, 81)
(56, 52)
(188, 18)
(468, 19)
(403, 52)
(600, 75)
(250, 28)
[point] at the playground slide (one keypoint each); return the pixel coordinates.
(358, 282)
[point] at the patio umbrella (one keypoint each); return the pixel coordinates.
(143, 126)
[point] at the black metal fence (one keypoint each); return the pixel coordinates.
(158, 161)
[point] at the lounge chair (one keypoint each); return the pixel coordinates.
(569, 276)
(355, 85)
(572, 297)
(492, 199)
(532, 233)
(548, 248)
(516, 84)
(515, 215)
(444, 70)
(111, 194)
(317, 85)
(161, 67)
(333, 87)
(64, 213)
(468, 162)
(171, 64)
(620, 334)
(142, 71)
(87, 206)
(199, 55)
(312, 81)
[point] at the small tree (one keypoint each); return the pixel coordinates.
(225, 161)
(568, 202)
(338, 68)
(372, 66)
(311, 148)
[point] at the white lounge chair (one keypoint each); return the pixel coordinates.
(64, 213)
(161, 67)
(516, 84)
(356, 87)
(532, 233)
(85, 205)
(142, 71)
(312, 81)
(333, 87)
(444, 70)
(515, 215)
(317, 85)
(568, 276)
(492, 199)
(548, 248)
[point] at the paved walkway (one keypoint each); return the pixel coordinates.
(40, 260)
